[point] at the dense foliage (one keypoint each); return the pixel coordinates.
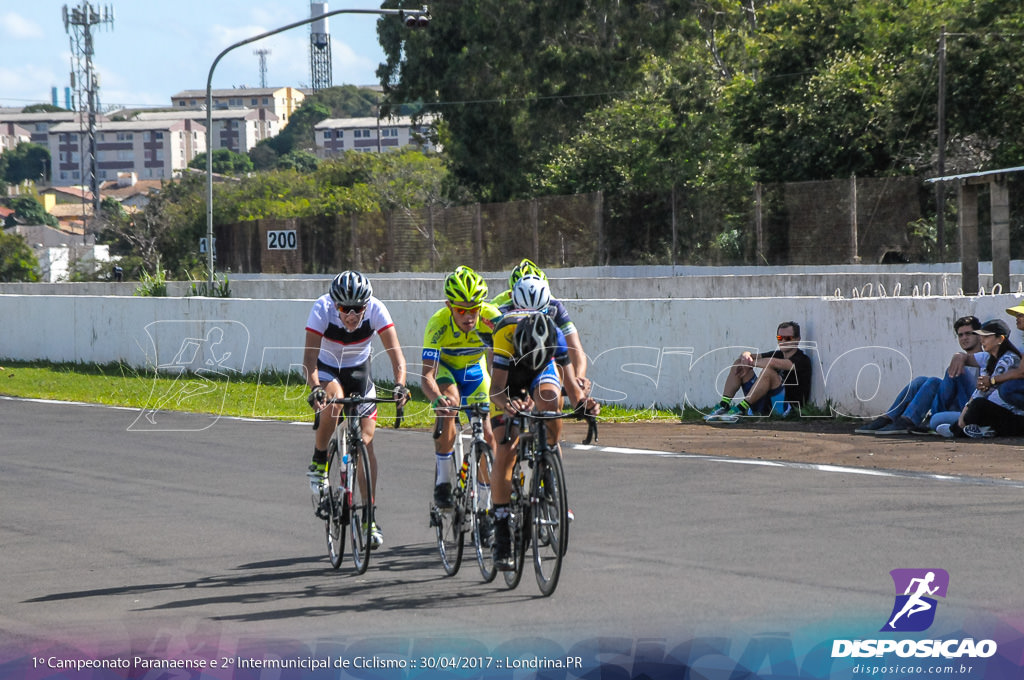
(17, 261)
(705, 97)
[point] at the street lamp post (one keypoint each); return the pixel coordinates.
(412, 17)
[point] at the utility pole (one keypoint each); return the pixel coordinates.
(262, 54)
(78, 22)
(940, 187)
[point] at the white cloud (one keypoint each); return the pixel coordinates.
(16, 27)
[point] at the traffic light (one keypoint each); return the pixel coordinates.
(421, 20)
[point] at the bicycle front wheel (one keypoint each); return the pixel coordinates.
(360, 509)
(549, 521)
(519, 511)
(482, 516)
(448, 524)
(335, 500)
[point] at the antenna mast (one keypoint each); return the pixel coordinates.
(78, 22)
(262, 54)
(319, 48)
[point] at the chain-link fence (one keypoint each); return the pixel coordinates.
(806, 223)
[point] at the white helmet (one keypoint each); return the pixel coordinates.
(531, 292)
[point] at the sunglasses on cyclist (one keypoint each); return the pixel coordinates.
(463, 311)
(351, 309)
(785, 338)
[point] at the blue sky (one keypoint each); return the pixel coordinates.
(156, 49)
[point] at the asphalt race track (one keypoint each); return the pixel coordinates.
(116, 529)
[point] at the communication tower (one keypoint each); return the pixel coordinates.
(262, 54)
(78, 22)
(319, 48)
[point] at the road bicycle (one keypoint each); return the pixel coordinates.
(469, 512)
(538, 509)
(346, 496)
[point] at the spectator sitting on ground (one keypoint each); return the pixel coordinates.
(987, 414)
(1011, 385)
(948, 394)
(784, 380)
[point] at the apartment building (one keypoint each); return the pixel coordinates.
(157, 149)
(38, 124)
(334, 136)
(238, 130)
(281, 101)
(11, 135)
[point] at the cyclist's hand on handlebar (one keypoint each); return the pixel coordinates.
(520, 405)
(402, 395)
(317, 397)
(584, 384)
(587, 407)
(442, 405)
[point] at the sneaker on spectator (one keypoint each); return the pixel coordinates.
(979, 431)
(945, 430)
(732, 415)
(716, 414)
(901, 425)
(874, 426)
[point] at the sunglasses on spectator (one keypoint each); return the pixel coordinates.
(785, 338)
(351, 309)
(463, 311)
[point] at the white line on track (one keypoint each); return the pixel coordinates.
(649, 452)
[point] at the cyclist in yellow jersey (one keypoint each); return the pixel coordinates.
(456, 352)
(557, 311)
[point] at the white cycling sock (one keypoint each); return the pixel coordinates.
(484, 492)
(444, 467)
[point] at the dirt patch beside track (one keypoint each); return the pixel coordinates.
(821, 441)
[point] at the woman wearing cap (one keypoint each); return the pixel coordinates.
(987, 413)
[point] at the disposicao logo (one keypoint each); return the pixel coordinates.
(914, 611)
(916, 590)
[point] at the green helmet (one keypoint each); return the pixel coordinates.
(522, 269)
(465, 286)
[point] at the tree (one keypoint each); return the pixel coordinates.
(27, 161)
(225, 162)
(511, 80)
(30, 211)
(17, 261)
(42, 108)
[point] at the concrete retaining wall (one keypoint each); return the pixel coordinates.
(581, 283)
(642, 352)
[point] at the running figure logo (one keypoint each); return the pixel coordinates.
(916, 589)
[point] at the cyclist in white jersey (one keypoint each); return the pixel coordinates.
(337, 364)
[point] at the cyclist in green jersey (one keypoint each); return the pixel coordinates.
(456, 355)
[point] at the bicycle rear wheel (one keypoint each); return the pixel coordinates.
(360, 511)
(448, 524)
(550, 521)
(481, 457)
(518, 523)
(335, 500)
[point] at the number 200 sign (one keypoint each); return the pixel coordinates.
(282, 239)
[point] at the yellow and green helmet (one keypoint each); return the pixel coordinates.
(524, 268)
(465, 287)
